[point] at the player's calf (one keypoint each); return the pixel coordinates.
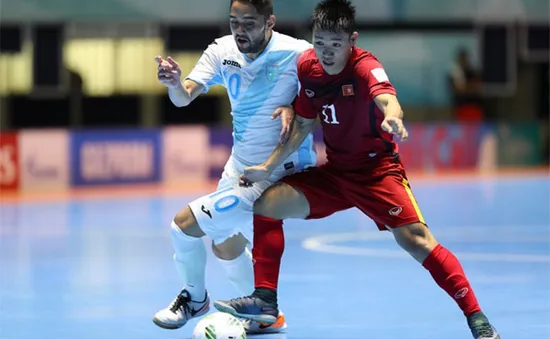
(440, 262)
(236, 260)
(230, 249)
(447, 272)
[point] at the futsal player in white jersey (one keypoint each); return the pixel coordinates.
(258, 68)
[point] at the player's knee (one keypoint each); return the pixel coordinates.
(187, 223)
(415, 238)
(231, 248)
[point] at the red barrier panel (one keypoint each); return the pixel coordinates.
(9, 161)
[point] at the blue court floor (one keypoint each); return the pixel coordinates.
(100, 268)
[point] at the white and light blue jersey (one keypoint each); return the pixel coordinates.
(256, 88)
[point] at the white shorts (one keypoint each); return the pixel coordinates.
(229, 210)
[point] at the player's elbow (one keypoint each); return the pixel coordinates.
(183, 96)
(180, 101)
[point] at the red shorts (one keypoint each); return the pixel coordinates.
(382, 193)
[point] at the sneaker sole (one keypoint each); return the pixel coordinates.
(166, 326)
(175, 327)
(261, 318)
(269, 330)
(497, 337)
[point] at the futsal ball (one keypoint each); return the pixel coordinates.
(219, 325)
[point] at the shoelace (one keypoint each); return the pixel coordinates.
(484, 330)
(182, 301)
(240, 302)
(242, 299)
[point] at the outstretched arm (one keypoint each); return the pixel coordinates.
(393, 115)
(181, 92)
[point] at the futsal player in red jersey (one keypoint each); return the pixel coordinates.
(348, 89)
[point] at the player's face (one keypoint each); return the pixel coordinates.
(333, 49)
(249, 28)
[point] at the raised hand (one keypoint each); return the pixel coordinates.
(169, 72)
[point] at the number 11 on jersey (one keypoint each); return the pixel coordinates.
(329, 113)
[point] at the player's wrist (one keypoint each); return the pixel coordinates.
(395, 115)
(393, 111)
(178, 85)
(268, 167)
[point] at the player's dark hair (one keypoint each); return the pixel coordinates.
(263, 7)
(334, 16)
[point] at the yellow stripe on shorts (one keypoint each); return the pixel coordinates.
(413, 200)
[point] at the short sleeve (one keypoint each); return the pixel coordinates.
(207, 70)
(304, 105)
(372, 73)
(303, 46)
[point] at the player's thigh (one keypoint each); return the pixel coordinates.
(228, 211)
(389, 201)
(310, 194)
(187, 220)
(282, 201)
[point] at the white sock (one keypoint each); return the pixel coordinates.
(190, 260)
(240, 272)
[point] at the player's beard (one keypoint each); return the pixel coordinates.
(254, 46)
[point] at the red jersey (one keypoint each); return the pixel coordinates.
(344, 102)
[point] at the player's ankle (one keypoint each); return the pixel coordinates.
(474, 311)
(200, 300)
(479, 315)
(266, 294)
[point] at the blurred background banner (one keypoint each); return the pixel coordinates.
(185, 153)
(80, 104)
(101, 157)
(43, 159)
(445, 147)
(519, 144)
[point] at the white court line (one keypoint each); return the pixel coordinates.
(326, 243)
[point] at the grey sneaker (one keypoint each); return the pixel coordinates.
(249, 307)
(481, 327)
(180, 311)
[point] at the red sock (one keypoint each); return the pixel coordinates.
(269, 245)
(449, 275)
